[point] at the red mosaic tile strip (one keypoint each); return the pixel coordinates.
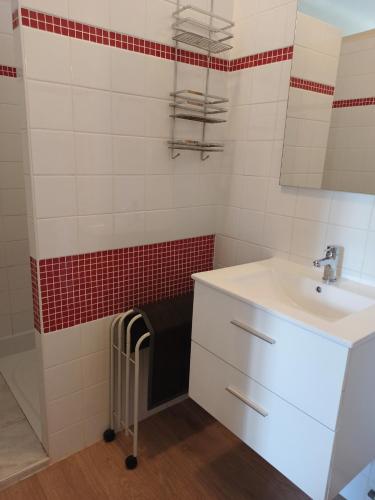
(86, 287)
(15, 19)
(81, 31)
(269, 57)
(94, 34)
(321, 88)
(35, 293)
(350, 103)
(8, 71)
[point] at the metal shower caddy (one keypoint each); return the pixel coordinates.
(209, 33)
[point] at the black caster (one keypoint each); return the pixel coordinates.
(131, 462)
(109, 435)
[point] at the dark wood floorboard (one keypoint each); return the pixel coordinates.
(184, 454)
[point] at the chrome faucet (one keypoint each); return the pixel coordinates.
(329, 262)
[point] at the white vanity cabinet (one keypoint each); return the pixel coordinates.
(304, 402)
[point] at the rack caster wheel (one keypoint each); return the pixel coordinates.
(131, 462)
(109, 435)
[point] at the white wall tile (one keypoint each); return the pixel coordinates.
(61, 347)
(55, 196)
(65, 412)
(95, 368)
(95, 399)
(128, 17)
(47, 56)
(129, 229)
(313, 204)
(351, 210)
(7, 50)
(255, 193)
(158, 192)
(50, 106)
(158, 20)
(95, 232)
(129, 193)
(92, 110)
(57, 237)
(95, 194)
(128, 115)
(309, 238)
(128, 71)
(369, 262)
(10, 147)
(158, 77)
(278, 232)
(353, 241)
(160, 225)
(62, 380)
(66, 442)
(90, 11)
(93, 153)
(91, 64)
(52, 152)
(130, 154)
(14, 228)
(95, 336)
(57, 7)
(94, 428)
(5, 17)
(281, 200)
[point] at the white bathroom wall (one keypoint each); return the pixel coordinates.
(101, 178)
(15, 285)
(99, 120)
(261, 219)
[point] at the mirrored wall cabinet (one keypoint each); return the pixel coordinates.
(330, 128)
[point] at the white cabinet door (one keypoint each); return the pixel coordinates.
(295, 444)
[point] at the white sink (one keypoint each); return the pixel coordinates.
(298, 293)
(328, 302)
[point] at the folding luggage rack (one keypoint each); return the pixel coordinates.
(120, 351)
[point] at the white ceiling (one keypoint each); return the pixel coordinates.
(352, 16)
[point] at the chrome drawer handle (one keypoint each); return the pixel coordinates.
(250, 404)
(247, 329)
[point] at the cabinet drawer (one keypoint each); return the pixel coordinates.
(305, 369)
(295, 444)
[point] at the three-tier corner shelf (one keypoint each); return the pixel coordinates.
(208, 32)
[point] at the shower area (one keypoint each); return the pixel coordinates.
(20, 415)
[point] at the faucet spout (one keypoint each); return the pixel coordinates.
(322, 262)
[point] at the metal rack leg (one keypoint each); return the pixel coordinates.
(127, 370)
(116, 345)
(132, 460)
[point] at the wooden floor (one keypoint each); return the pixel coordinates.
(185, 454)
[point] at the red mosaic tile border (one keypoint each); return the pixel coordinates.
(350, 103)
(321, 88)
(86, 287)
(95, 34)
(15, 19)
(8, 71)
(269, 57)
(35, 293)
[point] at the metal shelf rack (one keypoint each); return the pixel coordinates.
(209, 33)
